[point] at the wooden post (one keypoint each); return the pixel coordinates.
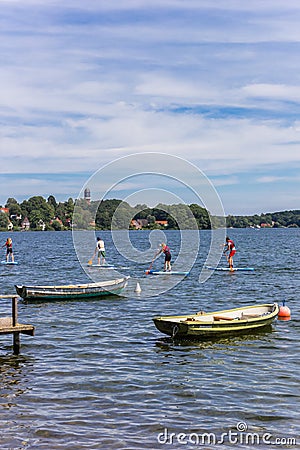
(16, 336)
(14, 307)
(16, 343)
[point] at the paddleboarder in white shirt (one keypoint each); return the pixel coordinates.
(101, 251)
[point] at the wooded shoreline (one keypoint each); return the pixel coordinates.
(40, 214)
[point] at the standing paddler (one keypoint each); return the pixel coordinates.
(229, 247)
(166, 250)
(9, 250)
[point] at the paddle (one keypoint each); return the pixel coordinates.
(90, 261)
(148, 271)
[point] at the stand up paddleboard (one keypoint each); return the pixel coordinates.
(161, 272)
(9, 263)
(102, 266)
(235, 269)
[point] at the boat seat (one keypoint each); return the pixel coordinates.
(250, 316)
(223, 318)
(203, 318)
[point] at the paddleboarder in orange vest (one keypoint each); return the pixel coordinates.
(9, 249)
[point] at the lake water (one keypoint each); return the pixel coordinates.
(99, 375)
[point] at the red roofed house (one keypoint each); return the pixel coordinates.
(163, 223)
(25, 225)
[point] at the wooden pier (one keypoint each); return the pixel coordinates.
(10, 325)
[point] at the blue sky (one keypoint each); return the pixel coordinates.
(214, 82)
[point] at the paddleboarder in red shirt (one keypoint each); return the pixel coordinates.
(166, 250)
(230, 247)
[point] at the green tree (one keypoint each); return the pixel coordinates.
(52, 202)
(4, 220)
(142, 213)
(14, 210)
(37, 203)
(82, 219)
(201, 215)
(183, 215)
(122, 217)
(151, 219)
(10, 202)
(35, 217)
(105, 212)
(40, 204)
(64, 211)
(56, 225)
(172, 223)
(69, 206)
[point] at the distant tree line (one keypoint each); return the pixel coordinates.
(38, 213)
(117, 214)
(288, 219)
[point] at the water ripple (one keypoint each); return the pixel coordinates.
(98, 375)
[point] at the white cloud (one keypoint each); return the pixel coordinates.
(84, 83)
(220, 146)
(274, 91)
(274, 179)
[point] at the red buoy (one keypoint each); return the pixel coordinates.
(284, 311)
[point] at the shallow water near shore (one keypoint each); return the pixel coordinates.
(99, 375)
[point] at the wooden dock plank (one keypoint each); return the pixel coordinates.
(19, 328)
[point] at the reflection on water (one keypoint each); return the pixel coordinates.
(211, 342)
(13, 380)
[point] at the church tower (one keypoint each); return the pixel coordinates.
(87, 195)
